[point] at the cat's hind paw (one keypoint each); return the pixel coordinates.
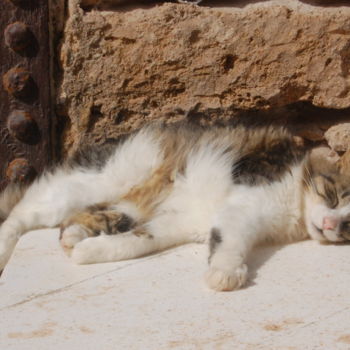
(90, 251)
(71, 235)
(220, 280)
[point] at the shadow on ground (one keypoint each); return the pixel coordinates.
(257, 259)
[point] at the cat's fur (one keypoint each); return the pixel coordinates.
(166, 186)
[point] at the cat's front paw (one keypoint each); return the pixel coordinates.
(220, 280)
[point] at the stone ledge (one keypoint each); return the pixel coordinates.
(296, 298)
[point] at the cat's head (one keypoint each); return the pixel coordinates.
(327, 200)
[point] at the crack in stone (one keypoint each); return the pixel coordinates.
(62, 289)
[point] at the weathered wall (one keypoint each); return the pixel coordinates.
(121, 67)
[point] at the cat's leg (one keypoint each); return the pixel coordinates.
(160, 233)
(236, 229)
(46, 203)
(57, 195)
(102, 218)
(109, 248)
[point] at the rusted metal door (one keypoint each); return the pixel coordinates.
(26, 142)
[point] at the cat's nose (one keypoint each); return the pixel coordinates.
(329, 223)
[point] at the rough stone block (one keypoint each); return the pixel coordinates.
(128, 66)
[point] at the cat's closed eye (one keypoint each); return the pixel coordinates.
(328, 178)
(345, 194)
(326, 189)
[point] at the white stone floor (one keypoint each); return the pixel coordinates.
(298, 297)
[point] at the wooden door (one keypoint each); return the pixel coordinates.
(26, 122)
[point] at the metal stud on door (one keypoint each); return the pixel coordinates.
(26, 124)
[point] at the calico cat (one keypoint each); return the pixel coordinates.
(163, 186)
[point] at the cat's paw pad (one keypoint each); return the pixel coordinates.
(89, 251)
(220, 280)
(72, 235)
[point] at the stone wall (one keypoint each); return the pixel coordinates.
(282, 61)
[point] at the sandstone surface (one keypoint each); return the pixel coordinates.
(338, 137)
(126, 66)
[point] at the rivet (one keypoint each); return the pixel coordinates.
(19, 83)
(18, 36)
(20, 171)
(23, 127)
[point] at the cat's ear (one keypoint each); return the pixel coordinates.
(324, 160)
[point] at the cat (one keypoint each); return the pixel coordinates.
(164, 186)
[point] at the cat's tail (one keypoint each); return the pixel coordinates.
(10, 196)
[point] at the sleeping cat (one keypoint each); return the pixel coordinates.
(163, 186)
